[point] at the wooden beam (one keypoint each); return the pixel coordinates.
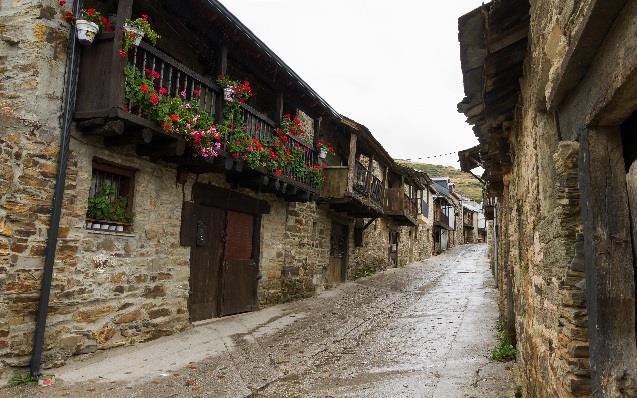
(143, 136)
(108, 129)
(222, 69)
(163, 149)
(351, 162)
(317, 132)
(278, 114)
(115, 92)
(610, 284)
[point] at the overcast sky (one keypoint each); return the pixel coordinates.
(393, 66)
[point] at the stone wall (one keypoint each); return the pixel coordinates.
(540, 271)
(33, 48)
(415, 244)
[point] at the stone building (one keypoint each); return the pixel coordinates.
(190, 238)
(551, 91)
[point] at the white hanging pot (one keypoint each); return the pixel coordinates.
(228, 94)
(139, 34)
(86, 31)
(323, 153)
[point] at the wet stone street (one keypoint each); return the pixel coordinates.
(425, 330)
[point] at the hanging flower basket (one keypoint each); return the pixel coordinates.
(228, 94)
(86, 31)
(136, 35)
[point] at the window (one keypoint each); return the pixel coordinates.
(110, 200)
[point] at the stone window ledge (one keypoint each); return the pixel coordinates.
(112, 233)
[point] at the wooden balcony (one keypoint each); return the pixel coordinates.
(400, 207)
(441, 219)
(102, 110)
(355, 191)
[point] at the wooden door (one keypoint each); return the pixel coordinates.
(205, 262)
(337, 267)
(240, 265)
(393, 248)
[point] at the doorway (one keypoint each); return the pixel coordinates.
(337, 267)
(223, 229)
(393, 248)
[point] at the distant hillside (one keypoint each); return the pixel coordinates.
(465, 182)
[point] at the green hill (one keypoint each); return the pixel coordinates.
(467, 184)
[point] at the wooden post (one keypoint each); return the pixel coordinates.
(370, 172)
(124, 12)
(317, 132)
(278, 114)
(351, 162)
(610, 284)
(222, 69)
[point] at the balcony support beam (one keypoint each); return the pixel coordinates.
(351, 162)
(222, 69)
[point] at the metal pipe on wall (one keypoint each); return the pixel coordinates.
(72, 65)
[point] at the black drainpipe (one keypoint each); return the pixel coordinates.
(72, 64)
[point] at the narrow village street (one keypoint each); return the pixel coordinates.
(425, 330)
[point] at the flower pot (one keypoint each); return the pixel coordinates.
(322, 153)
(104, 227)
(139, 34)
(96, 226)
(86, 31)
(112, 227)
(120, 228)
(228, 94)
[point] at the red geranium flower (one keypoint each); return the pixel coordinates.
(106, 23)
(174, 117)
(196, 92)
(62, 2)
(91, 11)
(278, 172)
(154, 99)
(145, 17)
(167, 126)
(163, 91)
(122, 54)
(144, 88)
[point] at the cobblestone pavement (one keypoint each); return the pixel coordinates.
(425, 330)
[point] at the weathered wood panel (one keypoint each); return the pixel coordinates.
(610, 286)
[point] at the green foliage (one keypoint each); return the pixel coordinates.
(142, 25)
(467, 184)
(21, 379)
(504, 350)
(107, 206)
(278, 154)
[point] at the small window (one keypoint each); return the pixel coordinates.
(110, 200)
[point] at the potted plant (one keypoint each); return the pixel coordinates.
(88, 25)
(108, 209)
(324, 148)
(232, 89)
(134, 31)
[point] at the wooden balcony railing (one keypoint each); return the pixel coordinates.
(360, 178)
(400, 204)
(377, 190)
(101, 96)
(367, 184)
(174, 76)
(441, 218)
